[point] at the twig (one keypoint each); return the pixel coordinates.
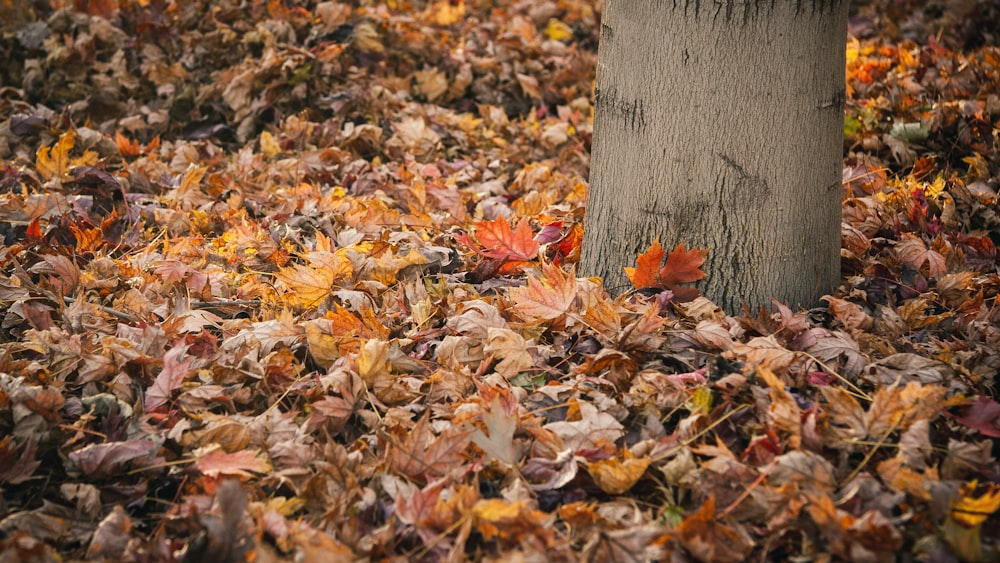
(868, 457)
(123, 316)
(859, 392)
(285, 393)
(760, 479)
(707, 429)
(224, 303)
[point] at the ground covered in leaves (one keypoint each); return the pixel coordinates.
(296, 280)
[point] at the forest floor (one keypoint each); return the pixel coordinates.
(295, 280)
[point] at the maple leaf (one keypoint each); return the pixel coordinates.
(512, 350)
(647, 272)
(499, 414)
(633, 543)
(708, 539)
(982, 415)
(54, 162)
(170, 378)
(103, 460)
(681, 266)
(973, 511)
(213, 461)
(510, 521)
(17, 467)
(783, 413)
(310, 285)
(839, 345)
(616, 476)
(912, 251)
(111, 537)
(847, 419)
(546, 298)
(495, 239)
(592, 429)
(422, 454)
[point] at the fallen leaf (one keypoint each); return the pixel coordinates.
(545, 298)
(170, 378)
(422, 455)
(616, 476)
(982, 415)
(215, 462)
(54, 162)
(510, 521)
(499, 415)
(973, 510)
(309, 285)
(495, 239)
(512, 350)
(708, 539)
(682, 266)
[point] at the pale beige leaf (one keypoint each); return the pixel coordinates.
(545, 298)
(512, 350)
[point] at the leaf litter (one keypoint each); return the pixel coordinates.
(296, 281)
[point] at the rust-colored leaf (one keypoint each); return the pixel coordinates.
(682, 266)
(647, 272)
(495, 239)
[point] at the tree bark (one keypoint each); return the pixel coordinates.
(719, 124)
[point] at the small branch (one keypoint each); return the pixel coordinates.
(233, 303)
(123, 316)
(760, 479)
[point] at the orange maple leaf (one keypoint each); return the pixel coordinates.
(647, 272)
(681, 266)
(501, 242)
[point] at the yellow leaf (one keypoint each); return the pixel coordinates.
(972, 511)
(556, 30)
(268, 146)
(54, 162)
(509, 520)
(388, 265)
(323, 346)
(373, 361)
(192, 179)
(616, 476)
(446, 14)
(366, 37)
(309, 285)
(702, 399)
(88, 158)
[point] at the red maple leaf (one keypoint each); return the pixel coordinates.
(506, 250)
(681, 266)
(983, 415)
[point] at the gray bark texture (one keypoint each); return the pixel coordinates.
(719, 124)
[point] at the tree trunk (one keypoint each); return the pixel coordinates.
(720, 125)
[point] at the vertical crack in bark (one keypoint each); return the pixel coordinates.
(741, 238)
(743, 11)
(631, 112)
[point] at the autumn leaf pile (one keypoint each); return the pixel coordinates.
(295, 280)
